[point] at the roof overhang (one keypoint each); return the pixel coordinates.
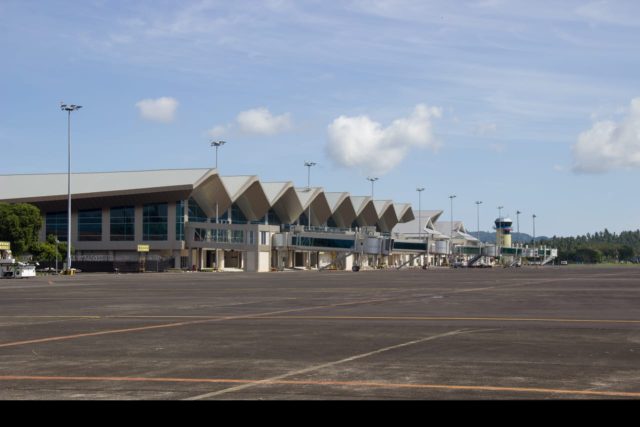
(284, 201)
(387, 217)
(365, 211)
(94, 190)
(404, 212)
(314, 197)
(342, 210)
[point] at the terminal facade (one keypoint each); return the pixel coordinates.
(197, 219)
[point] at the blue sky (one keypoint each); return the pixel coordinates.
(534, 106)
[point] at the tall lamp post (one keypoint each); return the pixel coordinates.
(499, 234)
(217, 144)
(534, 236)
(69, 108)
(372, 181)
(309, 165)
(451, 197)
(478, 203)
(518, 229)
(419, 190)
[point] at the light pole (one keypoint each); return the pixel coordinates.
(534, 236)
(478, 203)
(309, 165)
(419, 190)
(451, 197)
(372, 181)
(518, 228)
(69, 108)
(217, 144)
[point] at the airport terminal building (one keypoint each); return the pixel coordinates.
(196, 219)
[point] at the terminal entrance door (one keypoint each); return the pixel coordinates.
(232, 259)
(210, 259)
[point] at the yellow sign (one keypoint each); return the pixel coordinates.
(143, 248)
(5, 246)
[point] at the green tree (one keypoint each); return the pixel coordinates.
(46, 251)
(20, 224)
(588, 255)
(626, 252)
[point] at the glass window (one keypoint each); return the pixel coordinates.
(237, 236)
(237, 216)
(271, 218)
(196, 214)
(180, 220)
(154, 221)
(56, 224)
(90, 225)
(122, 223)
(321, 242)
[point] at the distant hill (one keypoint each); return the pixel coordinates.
(490, 237)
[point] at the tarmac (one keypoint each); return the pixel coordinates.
(532, 333)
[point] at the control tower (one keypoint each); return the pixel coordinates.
(503, 232)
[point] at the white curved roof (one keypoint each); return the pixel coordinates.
(212, 192)
(52, 186)
(342, 210)
(387, 217)
(314, 197)
(283, 200)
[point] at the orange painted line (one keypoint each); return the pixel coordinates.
(508, 319)
(94, 334)
(173, 325)
(370, 384)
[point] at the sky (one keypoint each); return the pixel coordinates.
(533, 106)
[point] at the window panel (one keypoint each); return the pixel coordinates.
(122, 223)
(90, 225)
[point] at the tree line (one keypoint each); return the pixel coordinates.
(601, 246)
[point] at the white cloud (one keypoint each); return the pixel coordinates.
(158, 110)
(365, 144)
(610, 145)
(260, 121)
(256, 121)
(218, 131)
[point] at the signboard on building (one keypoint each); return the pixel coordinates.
(5, 246)
(143, 248)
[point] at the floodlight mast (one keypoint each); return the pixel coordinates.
(217, 144)
(451, 197)
(374, 179)
(69, 108)
(309, 165)
(478, 203)
(419, 190)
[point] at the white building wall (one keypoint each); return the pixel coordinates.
(264, 261)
